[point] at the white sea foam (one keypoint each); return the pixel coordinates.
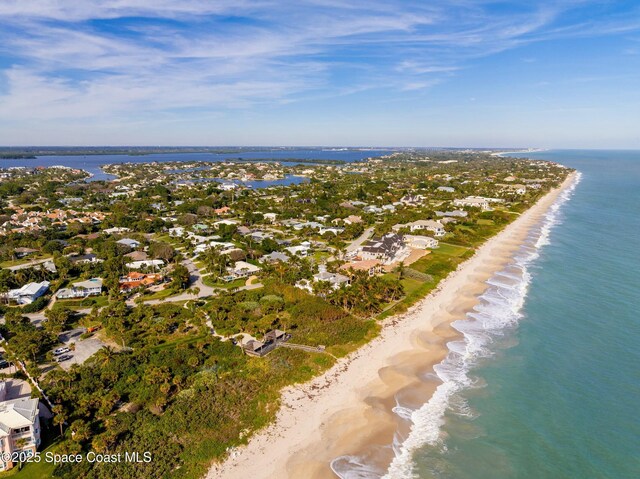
(499, 307)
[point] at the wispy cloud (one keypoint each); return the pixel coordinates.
(82, 59)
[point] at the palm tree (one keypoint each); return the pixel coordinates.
(400, 270)
(105, 355)
(60, 416)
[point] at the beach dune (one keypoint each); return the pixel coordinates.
(348, 409)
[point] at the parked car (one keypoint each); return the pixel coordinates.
(64, 357)
(59, 351)
(4, 363)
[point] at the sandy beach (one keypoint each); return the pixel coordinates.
(347, 410)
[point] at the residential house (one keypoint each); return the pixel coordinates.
(383, 249)
(22, 252)
(28, 293)
(137, 256)
(116, 230)
(131, 243)
(431, 225)
(301, 250)
(226, 222)
(411, 200)
(135, 280)
(275, 256)
(372, 209)
(82, 289)
(352, 219)
(19, 428)
(420, 242)
(334, 230)
(371, 266)
(222, 211)
(242, 269)
(147, 263)
(473, 202)
(177, 232)
(83, 258)
(335, 279)
(259, 236)
(453, 214)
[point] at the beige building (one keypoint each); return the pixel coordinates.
(19, 427)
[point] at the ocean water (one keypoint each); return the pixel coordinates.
(545, 381)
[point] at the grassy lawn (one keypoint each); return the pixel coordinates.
(76, 304)
(162, 294)
(215, 284)
(450, 250)
(35, 470)
(320, 255)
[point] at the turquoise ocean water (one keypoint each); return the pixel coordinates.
(546, 383)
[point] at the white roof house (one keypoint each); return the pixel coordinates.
(243, 269)
(335, 279)
(29, 292)
(19, 428)
(176, 231)
(150, 263)
(116, 230)
(474, 202)
(300, 250)
(430, 225)
(420, 242)
(131, 243)
(81, 289)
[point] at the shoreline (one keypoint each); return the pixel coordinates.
(348, 409)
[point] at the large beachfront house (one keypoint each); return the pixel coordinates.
(19, 428)
(430, 225)
(474, 202)
(383, 249)
(420, 242)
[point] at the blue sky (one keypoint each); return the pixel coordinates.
(320, 72)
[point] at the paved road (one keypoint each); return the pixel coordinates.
(356, 243)
(195, 278)
(29, 264)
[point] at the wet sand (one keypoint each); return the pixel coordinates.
(348, 409)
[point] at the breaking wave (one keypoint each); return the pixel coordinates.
(499, 308)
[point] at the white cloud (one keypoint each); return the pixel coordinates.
(89, 59)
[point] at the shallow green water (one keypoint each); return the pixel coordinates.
(553, 390)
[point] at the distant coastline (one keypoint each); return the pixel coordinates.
(527, 150)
